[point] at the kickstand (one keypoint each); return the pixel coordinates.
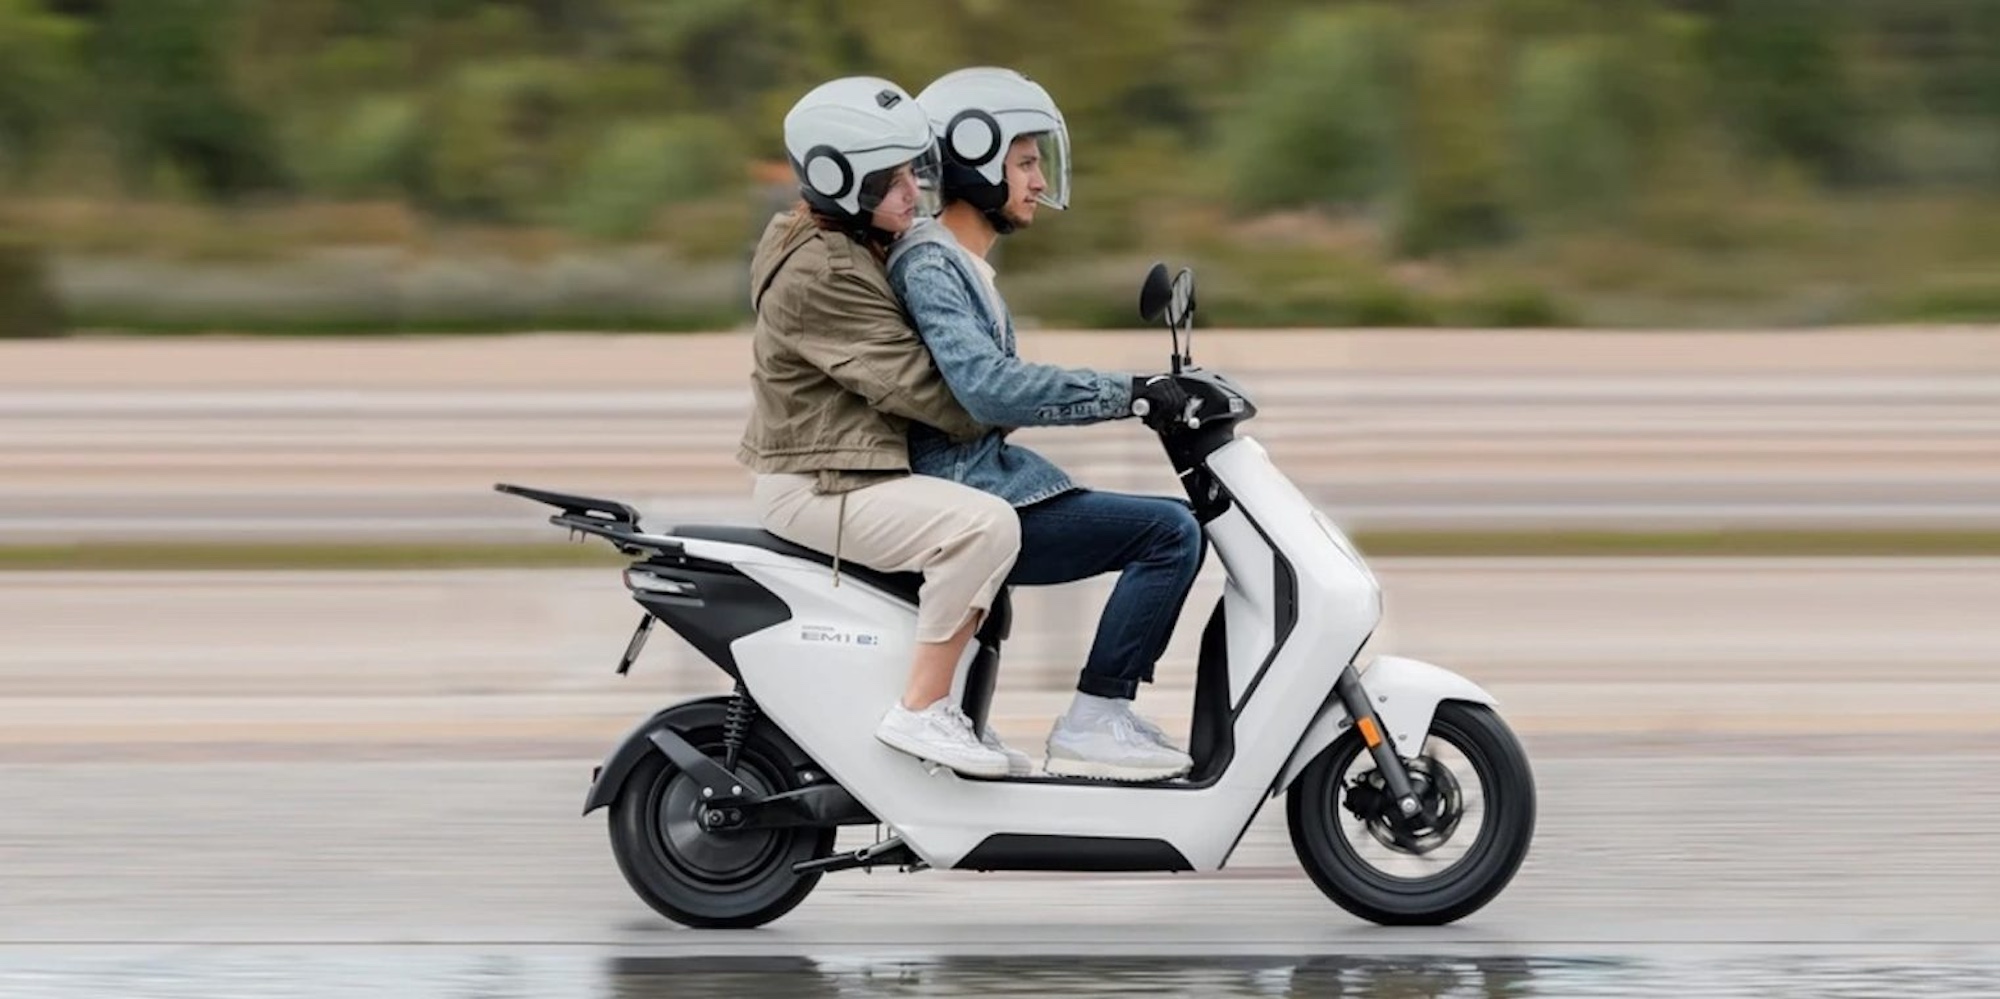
(886, 852)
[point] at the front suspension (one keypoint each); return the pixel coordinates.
(1405, 812)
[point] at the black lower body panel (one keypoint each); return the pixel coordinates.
(1029, 852)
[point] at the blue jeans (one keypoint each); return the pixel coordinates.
(1155, 545)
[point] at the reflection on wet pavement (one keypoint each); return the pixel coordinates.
(225, 973)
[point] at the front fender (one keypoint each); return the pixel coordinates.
(1405, 692)
(685, 717)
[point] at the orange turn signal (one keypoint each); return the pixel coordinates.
(1369, 733)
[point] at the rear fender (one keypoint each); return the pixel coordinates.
(683, 718)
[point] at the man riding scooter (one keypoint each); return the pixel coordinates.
(1005, 149)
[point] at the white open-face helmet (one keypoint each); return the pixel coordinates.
(847, 138)
(978, 113)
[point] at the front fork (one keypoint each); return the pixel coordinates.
(1407, 812)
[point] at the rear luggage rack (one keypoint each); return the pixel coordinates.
(608, 519)
(610, 511)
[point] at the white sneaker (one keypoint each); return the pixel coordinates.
(1019, 764)
(1110, 746)
(1152, 731)
(941, 734)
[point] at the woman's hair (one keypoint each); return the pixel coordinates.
(873, 187)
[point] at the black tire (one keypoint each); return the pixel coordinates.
(1315, 810)
(712, 880)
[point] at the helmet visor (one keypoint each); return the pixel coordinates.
(1053, 148)
(904, 192)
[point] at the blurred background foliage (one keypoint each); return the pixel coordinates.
(355, 165)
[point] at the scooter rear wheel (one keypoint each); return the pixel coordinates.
(711, 880)
(1450, 870)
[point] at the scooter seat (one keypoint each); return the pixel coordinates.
(901, 585)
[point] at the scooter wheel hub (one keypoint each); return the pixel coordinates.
(720, 856)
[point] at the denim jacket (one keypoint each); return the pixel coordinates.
(971, 337)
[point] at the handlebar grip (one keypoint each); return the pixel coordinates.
(1141, 407)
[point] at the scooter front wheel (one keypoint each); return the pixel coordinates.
(711, 880)
(1476, 786)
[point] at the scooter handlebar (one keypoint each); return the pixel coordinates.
(1140, 407)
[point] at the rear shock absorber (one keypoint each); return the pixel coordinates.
(736, 725)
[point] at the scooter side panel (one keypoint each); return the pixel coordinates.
(1249, 597)
(1406, 693)
(1338, 607)
(827, 675)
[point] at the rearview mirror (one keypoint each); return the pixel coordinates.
(1156, 294)
(1180, 311)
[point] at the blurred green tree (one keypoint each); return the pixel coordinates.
(1325, 117)
(171, 103)
(38, 79)
(1782, 77)
(639, 167)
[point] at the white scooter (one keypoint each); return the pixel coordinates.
(1409, 800)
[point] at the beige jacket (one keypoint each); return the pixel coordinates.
(840, 373)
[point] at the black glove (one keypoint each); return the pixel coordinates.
(1164, 397)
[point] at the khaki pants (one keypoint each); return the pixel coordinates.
(962, 540)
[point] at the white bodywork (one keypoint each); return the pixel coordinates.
(827, 675)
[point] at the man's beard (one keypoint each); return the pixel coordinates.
(1011, 214)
